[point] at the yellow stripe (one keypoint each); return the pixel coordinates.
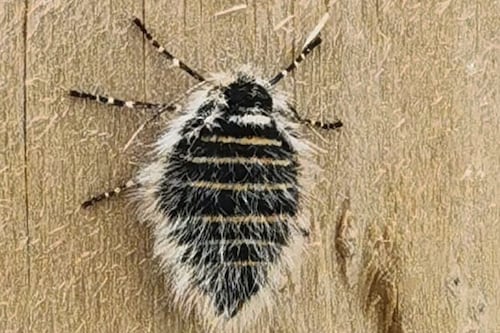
(239, 160)
(242, 187)
(231, 242)
(245, 263)
(248, 141)
(244, 218)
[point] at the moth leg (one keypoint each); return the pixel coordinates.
(115, 101)
(322, 125)
(176, 62)
(319, 124)
(109, 194)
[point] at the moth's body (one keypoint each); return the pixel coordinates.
(224, 197)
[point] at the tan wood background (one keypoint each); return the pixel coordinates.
(407, 216)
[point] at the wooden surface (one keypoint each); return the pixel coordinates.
(407, 216)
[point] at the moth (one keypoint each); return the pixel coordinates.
(226, 191)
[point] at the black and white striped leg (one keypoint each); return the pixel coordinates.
(305, 51)
(322, 125)
(106, 195)
(176, 62)
(318, 124)
(114, 101)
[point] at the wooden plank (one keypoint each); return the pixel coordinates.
(405, 95)
(169, 29)
(405, 216)
(89, 270)
(319, 87)
(14, 256)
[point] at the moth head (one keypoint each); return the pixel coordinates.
(245, 92)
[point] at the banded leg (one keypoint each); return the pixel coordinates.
(176, 62)
(115, 101)
(322, 125)
(318, 124)
(109, 194)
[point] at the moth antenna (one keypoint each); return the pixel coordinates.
(175, 61)
(312, 41)
(317, 29)
(309, 47)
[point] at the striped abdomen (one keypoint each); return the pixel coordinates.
(231, 193)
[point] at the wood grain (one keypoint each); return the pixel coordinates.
(406, 216)
(14, 231)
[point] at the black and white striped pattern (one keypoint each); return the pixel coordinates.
(119, 102)
(305, 51)
(109, 194)
(226, 190)
(225, 197)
